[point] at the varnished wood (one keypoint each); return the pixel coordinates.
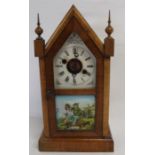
(39, 47)
(109, 46)
(109, 41)
(75, 26)
(88, 29)
(38, 29)
(78, 27)
(106, 78)
(44, 99)
(99, 94)
(76, 144)
(39, 43)
(100, 138)
(74, 13)
(75, 91)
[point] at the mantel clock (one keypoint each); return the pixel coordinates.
(75, 75)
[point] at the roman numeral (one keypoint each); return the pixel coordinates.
(67, 79)
(58, 82)
(60, 58)
(87, 58)
(75, 52)
(58, 65)
(90, 66)
(82, 53)
(74, 80)
(88, 73)
(62, 73)
(66, 52)
(82, 79)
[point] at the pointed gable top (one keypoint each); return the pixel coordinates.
(73, 12)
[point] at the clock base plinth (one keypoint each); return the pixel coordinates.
(76, 144)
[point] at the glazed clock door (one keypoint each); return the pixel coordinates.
(74, 65)
(72, 90)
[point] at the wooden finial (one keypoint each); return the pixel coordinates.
(38, 29)
(109, 28)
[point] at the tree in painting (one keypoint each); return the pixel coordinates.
(77, 117)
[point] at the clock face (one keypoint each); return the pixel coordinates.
(74, 65)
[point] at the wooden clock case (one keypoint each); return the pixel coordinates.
(52, 139)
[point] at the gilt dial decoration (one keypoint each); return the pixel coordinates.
(74, 65)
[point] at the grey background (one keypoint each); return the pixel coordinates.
(96, 13)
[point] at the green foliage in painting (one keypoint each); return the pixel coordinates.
(77, 118)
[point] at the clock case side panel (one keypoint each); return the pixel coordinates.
(45, 108)
(39, 48)
(106, 96)
(74, 26)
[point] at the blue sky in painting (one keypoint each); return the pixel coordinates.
(82, 100)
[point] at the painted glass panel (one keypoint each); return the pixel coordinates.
(75, 112)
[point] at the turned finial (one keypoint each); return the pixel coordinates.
(38, 29)
(109, 28)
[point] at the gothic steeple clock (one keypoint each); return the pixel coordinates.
(75, 77)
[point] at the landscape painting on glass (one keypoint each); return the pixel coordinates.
(75, 112)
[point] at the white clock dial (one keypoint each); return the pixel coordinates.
(74, 65)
